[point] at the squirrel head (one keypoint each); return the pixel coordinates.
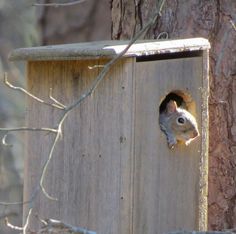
(182, 123)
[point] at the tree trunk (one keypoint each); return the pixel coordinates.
(17, 29)
(87, 21)
(212, 19)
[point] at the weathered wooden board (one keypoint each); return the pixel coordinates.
(166, 193)
(108, 49)
(90, 170)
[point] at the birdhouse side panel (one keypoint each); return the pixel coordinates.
(166, 192)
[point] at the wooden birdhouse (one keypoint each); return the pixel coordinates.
(111, 170)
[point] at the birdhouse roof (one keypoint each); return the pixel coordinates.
(108, 49)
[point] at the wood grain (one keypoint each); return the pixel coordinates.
(166, 182)
(90, 171)
(112, 171)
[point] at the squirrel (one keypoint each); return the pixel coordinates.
(178, 124)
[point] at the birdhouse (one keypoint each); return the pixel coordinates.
(112, 170)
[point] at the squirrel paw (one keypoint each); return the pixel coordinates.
(172, 143)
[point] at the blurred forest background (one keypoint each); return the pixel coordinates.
(24, 25)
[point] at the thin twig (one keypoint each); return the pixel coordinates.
(53, 4)
(95, 66)
(46, 166)
(7, 130)
(24, 228)
(55, 100)
(13, 203)
(4, 142)
(53, 130)
(57, 226)
(58, 135)
(29, 94)
(8, 224)
(163, 34)
(27, 221)
(34, 194)
(233, 24)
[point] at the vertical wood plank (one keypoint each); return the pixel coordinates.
(166, 184)
(90, 172)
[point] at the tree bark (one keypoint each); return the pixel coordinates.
(86, 21)
(212, 19)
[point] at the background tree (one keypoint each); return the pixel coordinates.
(87, 21)
(17, 29)
(214, 20)
(23, 25)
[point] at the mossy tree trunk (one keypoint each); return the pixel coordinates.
(212, 19)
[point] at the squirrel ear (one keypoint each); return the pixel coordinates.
(171, 107)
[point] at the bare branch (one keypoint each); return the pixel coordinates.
(57, 226)
(8, 224)
(28, 129)
(7, 130)
(46, 166)
(12, 203)
(29, 94)
(24, 228)
(95, 66)
(162, 35)
(59, 4)
(59, 133)
(233, 25)
(55, 100)
(4, 141)
(34, 194)
(27, 221)
(44, 222)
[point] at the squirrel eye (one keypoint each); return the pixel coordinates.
(181, 120)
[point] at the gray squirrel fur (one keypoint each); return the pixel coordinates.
(178, 125)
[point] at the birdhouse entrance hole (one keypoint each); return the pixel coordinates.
(182, 98)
